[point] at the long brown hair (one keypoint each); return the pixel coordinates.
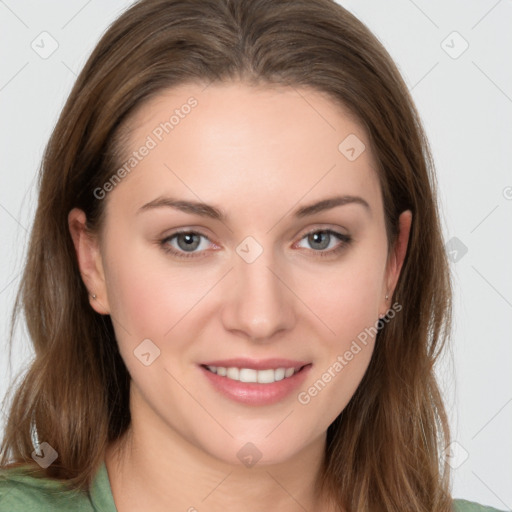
(384, 450)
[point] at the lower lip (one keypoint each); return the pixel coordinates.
(253, 393)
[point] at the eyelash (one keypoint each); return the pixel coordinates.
(345, 239)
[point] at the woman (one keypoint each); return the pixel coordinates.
(236, 284)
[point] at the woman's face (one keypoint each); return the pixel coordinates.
(280, 268)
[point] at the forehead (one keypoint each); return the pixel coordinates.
(263, 143)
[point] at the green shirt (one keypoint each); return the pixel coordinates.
(21, 492)
(24, 493)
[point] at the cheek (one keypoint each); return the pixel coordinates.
(333, 383)
(346, 296)
(147, 294)
(346, 299)
(349, 309)
(151, 300)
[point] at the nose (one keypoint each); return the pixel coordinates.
(259, 302)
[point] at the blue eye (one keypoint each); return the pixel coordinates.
(322, 239)
(188, 244)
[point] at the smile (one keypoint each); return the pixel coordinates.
(253, 382)
(251, 375)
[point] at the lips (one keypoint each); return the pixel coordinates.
(254, 382)
(262, 364)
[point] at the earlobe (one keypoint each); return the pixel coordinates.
(396, 261)
(89, 260)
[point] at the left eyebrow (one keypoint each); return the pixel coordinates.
(331, 202)
(207, 210)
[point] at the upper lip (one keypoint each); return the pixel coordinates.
(255, 364)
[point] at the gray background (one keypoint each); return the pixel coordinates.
(465, 99)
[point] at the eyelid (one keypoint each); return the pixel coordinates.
(322, 227)
(344, 240)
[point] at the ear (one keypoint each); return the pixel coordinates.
(89, 260)
(396, 258)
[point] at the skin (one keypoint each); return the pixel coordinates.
(258, 154)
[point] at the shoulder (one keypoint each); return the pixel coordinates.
(22, 491)
(471, 506)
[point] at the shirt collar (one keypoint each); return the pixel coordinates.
(101, 492)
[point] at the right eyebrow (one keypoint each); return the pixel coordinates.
(193, 207)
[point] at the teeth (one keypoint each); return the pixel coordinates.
(279, 374)
(289, 372)
(251, 375)
(266, 376)
(248, 375)
(233, 373)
